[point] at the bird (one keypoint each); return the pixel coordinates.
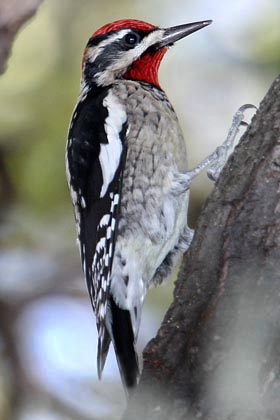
(127, 171)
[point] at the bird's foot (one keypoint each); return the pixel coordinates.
(222, 152)
(216, 160)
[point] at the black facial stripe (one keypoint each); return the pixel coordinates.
(94, 41)
(111, 51)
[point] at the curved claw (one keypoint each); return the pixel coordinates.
(246, 106)
(219, 157)
(213, 175)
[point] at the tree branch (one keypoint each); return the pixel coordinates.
(13, 14)
(216, 355)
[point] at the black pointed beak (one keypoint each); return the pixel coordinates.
(171, 35)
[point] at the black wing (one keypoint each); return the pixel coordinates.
(96, 208)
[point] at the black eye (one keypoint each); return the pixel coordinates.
(131, 39)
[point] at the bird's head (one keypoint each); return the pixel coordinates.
(130, 49)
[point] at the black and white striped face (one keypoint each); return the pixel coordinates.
(115, 48)
(108, 56)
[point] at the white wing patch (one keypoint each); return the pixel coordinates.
(104, 220)
(110, 153)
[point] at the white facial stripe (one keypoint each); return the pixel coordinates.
(127, 57)
(152, 38)
(110, 153)
(94, 52)
(120, 62)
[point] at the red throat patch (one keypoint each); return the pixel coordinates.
(145, 68)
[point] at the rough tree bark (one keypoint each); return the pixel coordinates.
(216, 355)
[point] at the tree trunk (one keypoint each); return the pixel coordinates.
(216, 355)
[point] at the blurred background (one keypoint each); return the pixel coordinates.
(47, 329)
